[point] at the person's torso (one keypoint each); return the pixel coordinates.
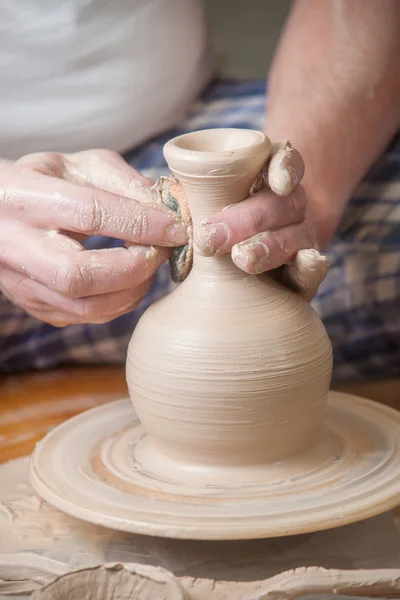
(77, 74)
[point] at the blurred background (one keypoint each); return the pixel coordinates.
(244, 34)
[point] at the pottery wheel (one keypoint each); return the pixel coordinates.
(87, 468)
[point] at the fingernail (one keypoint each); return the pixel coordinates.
(251, 256)
(177, 234)
(210, 238)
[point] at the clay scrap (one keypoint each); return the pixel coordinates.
(150, 583)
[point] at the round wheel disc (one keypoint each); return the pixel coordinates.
(86, 467)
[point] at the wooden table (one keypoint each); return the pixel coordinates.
(31, 404)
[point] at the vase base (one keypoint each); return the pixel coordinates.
(99, 467)
(147, 459)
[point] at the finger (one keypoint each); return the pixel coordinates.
(61, 264)
(103, 308)
(53, 318)
(87, 168)
(271, 249)
(262, 212)
(59, 318)
(285, 169)
(36, 299)
(306, 272)
(101, 169)
(63, 319)
(105, 170)
(59, 204)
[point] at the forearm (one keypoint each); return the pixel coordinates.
(334, 92)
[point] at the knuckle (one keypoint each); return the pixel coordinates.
(46, 163)
(71, 279)
(138, 223)
(89, 216)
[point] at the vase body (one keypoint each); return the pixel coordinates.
(230, 369)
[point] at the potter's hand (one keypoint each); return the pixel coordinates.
(50, 201)
(272, 228)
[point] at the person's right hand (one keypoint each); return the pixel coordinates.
(50, 201)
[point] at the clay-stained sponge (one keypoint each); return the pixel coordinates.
(171, 194)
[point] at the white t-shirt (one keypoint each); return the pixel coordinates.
(79, 74)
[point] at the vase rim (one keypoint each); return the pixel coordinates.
(216, 148)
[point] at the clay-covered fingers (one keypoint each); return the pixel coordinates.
(61, 264)
(271, 249)
(58, 310)
(47, 202)
(263, 212)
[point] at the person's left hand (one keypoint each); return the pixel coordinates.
(270, 229)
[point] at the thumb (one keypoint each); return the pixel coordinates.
(285, 168)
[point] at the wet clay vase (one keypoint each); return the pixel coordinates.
(230, 372)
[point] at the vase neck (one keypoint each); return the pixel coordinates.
(216, 267)
(208, 196)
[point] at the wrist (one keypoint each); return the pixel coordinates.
(326, 206)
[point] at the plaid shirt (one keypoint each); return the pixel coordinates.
(359, 301)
